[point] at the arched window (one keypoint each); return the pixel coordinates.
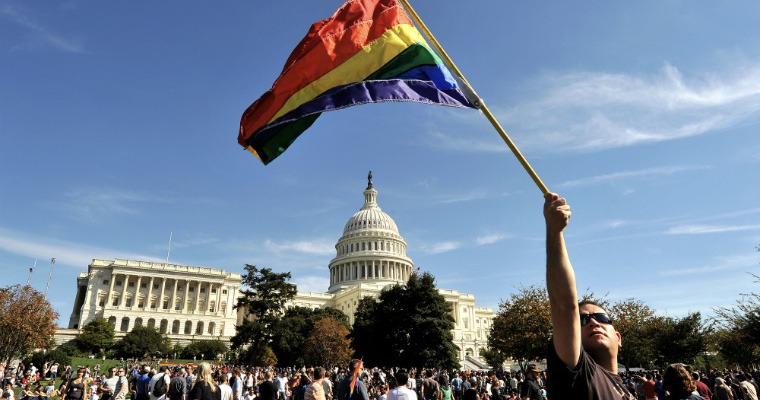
(175, 327)
(188, 327)
(124, 324)
(199, 328)
(138, 321)
(164, 326)
(211, 327)
(151, 323)
(112, 321)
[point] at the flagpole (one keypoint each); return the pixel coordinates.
(480, 104)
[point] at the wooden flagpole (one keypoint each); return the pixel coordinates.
(480, 104)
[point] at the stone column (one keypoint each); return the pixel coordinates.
(150, 293)
(174, 295)
(109, 296)
(160, 303)
(184, 298)
(123, 299)
(197, 295)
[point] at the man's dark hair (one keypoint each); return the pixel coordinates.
(429, 373)
(319, 373)
(402, 377)
(352, 365)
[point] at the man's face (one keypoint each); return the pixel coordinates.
(597, 336)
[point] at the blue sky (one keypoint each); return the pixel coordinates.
(119, 121)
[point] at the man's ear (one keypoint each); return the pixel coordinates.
(620, 339)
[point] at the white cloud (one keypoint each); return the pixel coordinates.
(490, 239)
(322, 247)
(441, 247)
(39, 35)
(616, 176)
(65, 252)
(594, 111)
(702, 229)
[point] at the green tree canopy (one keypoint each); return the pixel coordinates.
(29, 322)
(208, 348)
(97, 336)
(522, 327)
(292, 330)
(678, 339)
(262, 302)
(634, 320)
(143, 341)
(407, 326)
(739, 327)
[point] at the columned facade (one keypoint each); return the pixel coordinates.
(184, 302)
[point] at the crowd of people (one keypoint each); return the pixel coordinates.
(225, 382)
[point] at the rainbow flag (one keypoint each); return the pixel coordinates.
(368, 51)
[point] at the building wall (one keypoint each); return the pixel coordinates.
(183, 301)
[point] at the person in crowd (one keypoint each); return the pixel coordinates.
(430, 388)
(268, 390)
(679, 384)
(531, 389)
(178, 386)
(163, 375)
(327, 385)
(77, 388)
(282, 385)
(702, 389)
(582, 356)
(205, 387)
(360, 389)
(401, 391)
(224, 387)
(722, 391)
(748, 390)
(315, 390)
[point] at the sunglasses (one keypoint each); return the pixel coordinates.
(601, 318)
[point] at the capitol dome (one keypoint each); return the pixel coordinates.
(371, 248)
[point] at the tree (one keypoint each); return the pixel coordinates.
(739, 327)
(209, 349)
(29, 321)
(406, 326)
(97, 336)
(522, 327)
(262, 303)
(143, 341)
(633, 319)
(328, 344)
(678, 340)
(292, 331)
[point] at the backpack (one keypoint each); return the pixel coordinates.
(159, 389)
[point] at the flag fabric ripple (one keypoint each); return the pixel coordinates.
(368, 51)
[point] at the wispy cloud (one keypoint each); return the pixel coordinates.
(66, 253)
(702, 229)
(93, 204)
(322, 246)
(589, 111)
(727, 263)
(39, 35)
(490, 239)
(440, 247)
(616, 176)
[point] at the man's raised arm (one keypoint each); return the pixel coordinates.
(560, 282)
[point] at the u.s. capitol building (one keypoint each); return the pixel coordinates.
(189, 303)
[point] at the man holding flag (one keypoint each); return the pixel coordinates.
(352, 387)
